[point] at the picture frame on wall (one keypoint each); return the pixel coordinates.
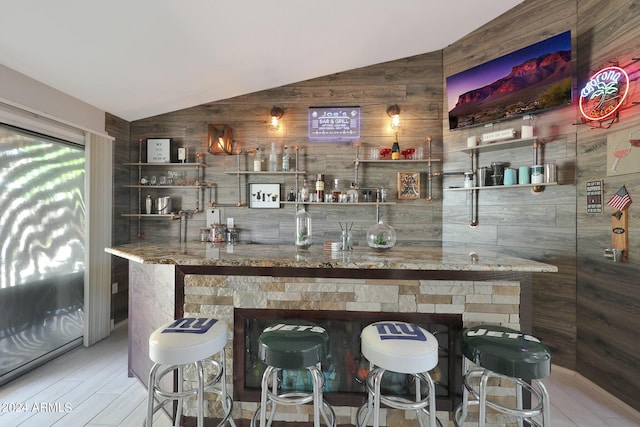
(408, 185)
(158, 150)
(264, 196)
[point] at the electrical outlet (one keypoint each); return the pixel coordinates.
(212, 216)
(114, 288)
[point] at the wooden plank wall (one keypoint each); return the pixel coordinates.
(608, 305)
(517, 221)
(587, 312)
(119, 129)
(412, 83)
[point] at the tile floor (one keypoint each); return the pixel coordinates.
(90, 387)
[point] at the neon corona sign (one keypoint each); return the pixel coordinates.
(604, 93)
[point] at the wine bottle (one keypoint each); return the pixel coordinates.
(395, 149)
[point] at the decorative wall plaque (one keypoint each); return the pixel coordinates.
(594, 196)
(158, 150)
(334, 123)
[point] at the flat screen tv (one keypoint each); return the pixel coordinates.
(527, 81)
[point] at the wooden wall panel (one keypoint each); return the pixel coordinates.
(119, 129)
(608, 305)
(516, 221)
(413, 83)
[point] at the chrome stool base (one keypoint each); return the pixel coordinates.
(157, 393)
(518, 361)
(187, 342)
(376, 398)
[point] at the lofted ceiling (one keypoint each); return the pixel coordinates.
(140, 58)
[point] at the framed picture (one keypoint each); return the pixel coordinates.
(264, 196)
(408, 185)
(158, 150)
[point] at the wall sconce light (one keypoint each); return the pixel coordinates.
(394, 112)
(220, 139)
(276, 115)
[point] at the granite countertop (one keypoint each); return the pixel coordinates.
(397, 258)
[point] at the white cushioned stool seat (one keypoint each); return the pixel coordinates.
(187, 340)
(400, 347)
(177, 344)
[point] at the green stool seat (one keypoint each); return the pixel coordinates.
(293, 344)
(506, 351)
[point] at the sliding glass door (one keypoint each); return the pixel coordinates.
(42, 221)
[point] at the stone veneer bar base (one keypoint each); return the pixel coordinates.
(496, 302)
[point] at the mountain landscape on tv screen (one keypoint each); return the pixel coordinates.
(534, 85)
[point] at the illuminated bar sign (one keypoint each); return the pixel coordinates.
(334, 123)
(604, 93)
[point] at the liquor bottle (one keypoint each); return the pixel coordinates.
(304, 193)
(395, 149)
(320, 187)
(291, 197)
(352, 193)
(257, 162)
(273, 158)
(336, 191)
(285, 159)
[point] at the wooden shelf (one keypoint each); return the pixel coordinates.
(397, 161)
(501, 145)
(339, 204)
(150, 216)
(196, 187)
(265, 172)
(502, 187)
(198, 165)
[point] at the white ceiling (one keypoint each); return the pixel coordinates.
(140, 58)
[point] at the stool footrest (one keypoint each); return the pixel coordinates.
(526, 413)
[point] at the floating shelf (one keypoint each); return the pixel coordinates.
(338, 204)
(166, 186)
(502, 187)
(198, 165)
(265, 172)
(495, 146)
(158, 216)
(397, 161)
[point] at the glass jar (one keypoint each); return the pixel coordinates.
(204, 234)
(346, 240)
(303, 229)
(336, 191)
(381, 236)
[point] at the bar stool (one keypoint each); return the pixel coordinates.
(401, 348)
(183, 342)
(513, 358)
(293, 345)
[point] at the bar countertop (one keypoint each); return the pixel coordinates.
(397, 258)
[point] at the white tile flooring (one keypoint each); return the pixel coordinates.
(90, 387)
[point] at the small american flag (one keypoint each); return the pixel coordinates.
(620, 200)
